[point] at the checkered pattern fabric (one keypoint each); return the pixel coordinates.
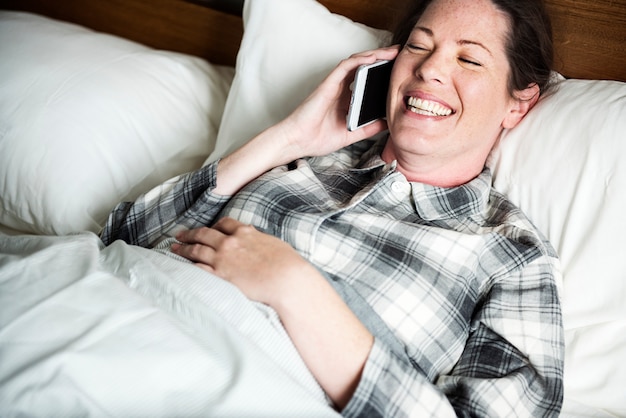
(462, 278)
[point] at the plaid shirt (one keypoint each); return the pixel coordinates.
(459, 275)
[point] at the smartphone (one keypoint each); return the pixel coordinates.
(369, 94)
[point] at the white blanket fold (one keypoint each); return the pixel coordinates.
(125, 331)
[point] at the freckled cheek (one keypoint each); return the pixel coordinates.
(476, 98)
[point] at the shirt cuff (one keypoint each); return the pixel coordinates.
(391, 387)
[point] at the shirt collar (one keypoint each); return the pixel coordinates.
(467, 200)
(432, 202)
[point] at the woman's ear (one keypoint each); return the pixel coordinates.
(521, 102)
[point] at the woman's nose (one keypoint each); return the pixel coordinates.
(433, 67)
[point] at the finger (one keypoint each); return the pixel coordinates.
(229, 226)
(197, 253)
(345, 69)
(203, 235)
(367, 131)
(386, 53)
(369, 57)
(202, 256)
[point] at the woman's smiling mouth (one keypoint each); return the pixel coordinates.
(427, 107)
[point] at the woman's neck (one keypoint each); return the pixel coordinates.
(430, 169)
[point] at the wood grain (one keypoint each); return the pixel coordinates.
(589, 38)
(590, 35)
(173, 25)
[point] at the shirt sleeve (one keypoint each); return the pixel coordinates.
(184, 202)
(512, 364)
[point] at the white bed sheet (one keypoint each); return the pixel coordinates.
(125, 331)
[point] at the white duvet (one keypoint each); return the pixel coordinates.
(124, 331)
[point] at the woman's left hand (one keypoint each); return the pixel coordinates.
(260, 265)
(332, 341)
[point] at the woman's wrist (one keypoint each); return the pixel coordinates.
(267, 150)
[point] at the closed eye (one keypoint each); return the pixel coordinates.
(468, 61)
(416, 47)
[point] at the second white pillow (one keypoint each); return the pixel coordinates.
(288, 47)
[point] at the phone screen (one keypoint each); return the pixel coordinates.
(369, 94)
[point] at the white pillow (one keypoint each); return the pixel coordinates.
(288, 48)
(88, 119)
(565, 166)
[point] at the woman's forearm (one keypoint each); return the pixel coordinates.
(332, 341)
(267, 150)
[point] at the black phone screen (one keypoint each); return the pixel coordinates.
(374, 104)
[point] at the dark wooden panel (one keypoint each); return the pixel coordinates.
(590, 35)
(165, 24)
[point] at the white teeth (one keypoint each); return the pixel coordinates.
(427, 107)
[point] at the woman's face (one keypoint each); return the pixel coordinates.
(448, 99)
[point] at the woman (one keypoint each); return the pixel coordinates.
(407, 284)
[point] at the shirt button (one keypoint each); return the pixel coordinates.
(399, 187)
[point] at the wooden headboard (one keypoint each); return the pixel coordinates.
(590, 35)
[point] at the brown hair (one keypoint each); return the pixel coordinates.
(529, 46)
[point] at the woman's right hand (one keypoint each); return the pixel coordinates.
(316, 127)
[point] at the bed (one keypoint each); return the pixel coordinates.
(102, 101)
